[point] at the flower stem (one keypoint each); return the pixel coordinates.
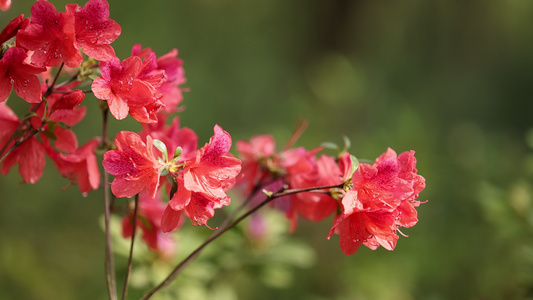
(109, 261)
(30, 132)
(280, 193)
(134, 227)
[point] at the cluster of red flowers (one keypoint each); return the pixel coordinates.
(201, 176)
(76, 42)
(141, 85)
(369, 202)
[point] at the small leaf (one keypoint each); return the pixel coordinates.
(51, 126)
(49, 134)
(355, 163)
(63, 125)
(347, 143)
(161, 147)
(30, 114)
(268, 193)
(330, 145)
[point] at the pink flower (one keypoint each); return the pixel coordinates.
(203, 182)
(125, 92)
(61, 109)
(5, 4)
(30, 157)
(29, 154)
(316, 206)
(173, 67)
(149, 71)
(133, 165)
(381, 201)
(172, 136)
(79, 166)
(94, 30)
(51, 35)
(259, 158)
(14, 72)
(164, 74)
(12, 28)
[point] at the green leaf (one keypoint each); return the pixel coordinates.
(63, 125)
(347, 143)
(355, 164)
(268, 193)
(49, 134)
(30, 114)
(330, 145)
(51, 126)
(161, 147)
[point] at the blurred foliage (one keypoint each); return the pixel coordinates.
(449, 79)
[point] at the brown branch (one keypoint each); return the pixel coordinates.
(130, 258)
(109, 261)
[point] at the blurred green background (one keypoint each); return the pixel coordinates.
(451, 80)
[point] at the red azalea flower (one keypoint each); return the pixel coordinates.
(14, 72)
(203, 182)
(29, 155)
(149, 71)
(12, 28)
(258, 160)
(133, 164)
(294, 162)
(5, 4)
(149, 213)
(61, 109)
(8, 122)
(80, 166)
(51, 35)
(173, 67)
(407, 212)
(316, 206)
(373, 208)
(164, 74)
(212, 168)
(172, 136)
(125, 92)
(94, 30)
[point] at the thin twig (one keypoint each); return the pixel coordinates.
(130, 258)
(109, 261)
(282, 192)
(234, 213)
(50, 89)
